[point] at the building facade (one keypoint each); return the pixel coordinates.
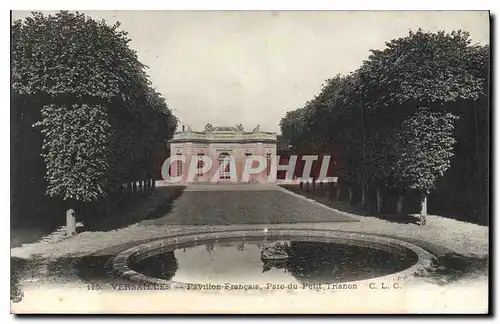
(230, 149)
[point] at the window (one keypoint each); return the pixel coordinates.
(179, 165)
(199, 170)
(268, 163)
(247, 161)
(224, 159)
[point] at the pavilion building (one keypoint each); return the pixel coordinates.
(220, 144)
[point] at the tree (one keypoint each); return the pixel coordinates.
(99, 116)
(421, 71)
(294, 127)
(330, 122)
(395, 117)
(425, 147)
(467, 177)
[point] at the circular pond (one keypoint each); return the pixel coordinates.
(243, 257)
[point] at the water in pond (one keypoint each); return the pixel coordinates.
(239, 262)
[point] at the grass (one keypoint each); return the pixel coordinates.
(143, 208)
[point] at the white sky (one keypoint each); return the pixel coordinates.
(250, 67)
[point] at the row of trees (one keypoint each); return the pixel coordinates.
(408, 113)
(86, 119)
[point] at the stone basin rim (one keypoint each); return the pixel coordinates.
(120, 262)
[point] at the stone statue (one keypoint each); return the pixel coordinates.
(239, 127)
(256, 129)
(209, 127)
(276, 251)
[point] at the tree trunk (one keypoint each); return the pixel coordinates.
(70, 222)
(153, 185)
(350, 195)
(400, 205)
(314, 185)
(331, 188)
(379, 201)
(363, 195)
(337, 193)
(423, 210)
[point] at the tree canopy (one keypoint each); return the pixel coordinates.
(394, 118)
(99, 116)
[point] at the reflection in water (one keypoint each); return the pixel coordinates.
(317, 262)
(234, 261)
(270, 264)
(162, 265)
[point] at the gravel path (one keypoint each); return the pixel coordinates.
(244, 207)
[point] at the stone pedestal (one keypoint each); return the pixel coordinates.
(70, 222)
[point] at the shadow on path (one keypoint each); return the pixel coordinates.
(244, 207)
(130, 212)
(344, 206)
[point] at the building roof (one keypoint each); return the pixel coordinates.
(224, 134)
(224, 129)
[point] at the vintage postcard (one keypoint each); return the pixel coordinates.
(270, 162)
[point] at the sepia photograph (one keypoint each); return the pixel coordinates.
(250, 162)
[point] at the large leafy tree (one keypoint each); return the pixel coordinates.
(98, 114)
(394, 118)
(424, 146)
(294, 127)
(341, 110)
(468, 174)
(422, 67)
(75, 151)
(418, 79)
